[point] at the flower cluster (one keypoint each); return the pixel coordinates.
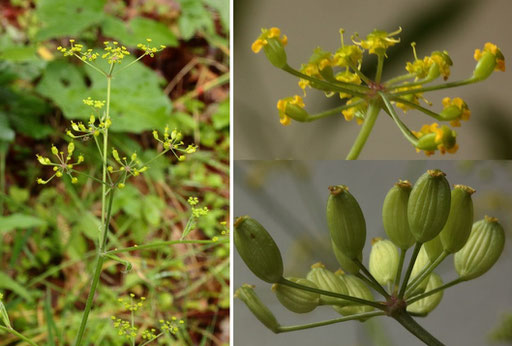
(359, 91)
(124, 328)
(173, 142)
(148, 50)
(63, 164)
(114, 53)
(78, 51)
(432, 138)
(92, 129)
(172, 326)
(128, 167)
(132, 304)
(197, 212)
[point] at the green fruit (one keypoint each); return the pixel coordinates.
(384, 260)
(482, 249)
(485, 66)
(429, 205)
(427, 304)
(345, 221)
(327, 281)
(394, 215)
(346, 263)
(258, 250)
(356, 288)
(295, 299)
(456, 231)
(248, 296)
(274, 50)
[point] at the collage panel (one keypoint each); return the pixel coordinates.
(114, 172)
(291, 225)
(303, 91)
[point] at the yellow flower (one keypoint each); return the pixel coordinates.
(348, 56)
(443, 60)
(413, 98)
(357, 111)
(378, 41)
(348, 77)
(456, 107)
(285, 115)
(494, 50)
(266, 34)
(431, 138)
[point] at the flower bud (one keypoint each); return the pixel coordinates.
(295, 299)
(384, 260)
(356, 288)
(456, 231)
(327, 281)
(345, 221)
(427, 304)
(422, 261)
(346, 263)
(258, 250)
(275, 52)
(490, 59)
(433, 248)
(394, 215)
(248, 296)
(482, 249)
(429, 205)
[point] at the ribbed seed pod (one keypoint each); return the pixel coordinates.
(348, 265)
(356, 288)
(248, 296)
(384, 260)
(258, 250)
(327, 281)
(394, 215)
(295, 299)
(456, 231)
(429, 205)
(482, 249)
(426, 305)
(345, 221)
(422, 261)
(434, 248)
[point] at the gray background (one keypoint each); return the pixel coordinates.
(289, 198)
(458, 26)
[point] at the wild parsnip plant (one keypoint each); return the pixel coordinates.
(116, 169)
(429, 217)
(366, 97)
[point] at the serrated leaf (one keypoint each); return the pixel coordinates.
(67, 18)
(8, 283)
(138, 102)
(19, 221)
(137, 30)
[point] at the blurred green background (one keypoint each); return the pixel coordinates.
(47, 233)
(289, 199)
(458, 26)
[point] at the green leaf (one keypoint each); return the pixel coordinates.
(6, 282)
(138, 102)
(67, 18)
(17, 221)
(152, 209)
(194, 17)
(19, 53)
(138, 30)
(128, 200)
(89, 225)
(222, 6)
(221, 117)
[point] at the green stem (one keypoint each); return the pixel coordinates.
(411, 85)
(380, 65)
(415, 252)
(412, 326)
(361, 316)
(400, 267)
(425, 273)
(105, 149)
(166, 243)
(333, 111)
(437, 87)
(364, 133)
(286, 282)
(435, 290)
(399, 79)
(377, 285)
(418, 107)
(347, 87)
(359, 73)
(19, 335)
(104, 235)
(88, 305)
(89, 176)
(403, 128)
(91, 65)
